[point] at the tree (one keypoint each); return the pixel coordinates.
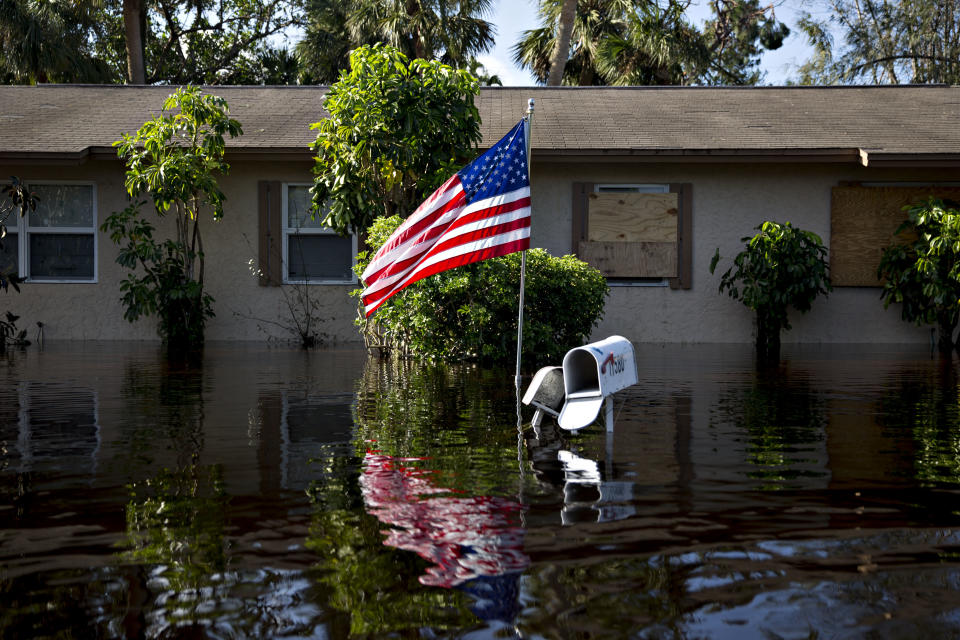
(379, 152)
(141, 42)
(921, 269)
(173, 159)
(451, 31)
(634, 42)
(135, 33)
(324, 50)
(214, 41)
(780, 267)
(883, 42)
(50, 42)
(594, 21)
(568, 12)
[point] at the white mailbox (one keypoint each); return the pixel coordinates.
(592, 373)
(545, 393)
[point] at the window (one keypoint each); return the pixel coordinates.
(313, 252)
(863, 222)
(635, 234)
(295, 248)
(57, 242)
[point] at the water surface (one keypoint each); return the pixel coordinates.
(269, 492)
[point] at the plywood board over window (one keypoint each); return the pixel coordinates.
(863, 221)
(635, 234)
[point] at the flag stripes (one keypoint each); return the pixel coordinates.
(450, 230)
(491, 228)
(429, 220)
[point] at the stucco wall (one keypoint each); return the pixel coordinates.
(244, 309)
(729, 200)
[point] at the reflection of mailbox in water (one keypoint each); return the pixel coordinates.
(591, 373)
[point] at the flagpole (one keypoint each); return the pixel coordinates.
(523, 254)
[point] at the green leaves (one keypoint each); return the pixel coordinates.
(173, 160)
(921, 268)
(470, 313)
(780, 267)
(625, 42)
(381, 151)
(882, 42)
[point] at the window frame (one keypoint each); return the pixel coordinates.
(684, 191)
(287, 231)
(646, 187)
(24, 230)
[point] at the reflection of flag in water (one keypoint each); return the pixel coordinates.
(465, 537)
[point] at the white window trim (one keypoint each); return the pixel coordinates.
(23, 231)
(636, 188)
(288, 231)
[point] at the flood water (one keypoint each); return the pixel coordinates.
(266, 492)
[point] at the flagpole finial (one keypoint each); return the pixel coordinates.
(530, 104)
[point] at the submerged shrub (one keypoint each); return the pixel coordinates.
(470, 313)
(780, 268)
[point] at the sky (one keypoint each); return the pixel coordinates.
(512, 17)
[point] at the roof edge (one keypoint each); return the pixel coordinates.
(832, 155)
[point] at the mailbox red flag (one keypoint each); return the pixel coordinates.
(481, 212)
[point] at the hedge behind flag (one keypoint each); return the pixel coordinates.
(481, 212)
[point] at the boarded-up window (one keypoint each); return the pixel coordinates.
(863, 221)
(635, 232)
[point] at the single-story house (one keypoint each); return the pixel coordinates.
(645, 183)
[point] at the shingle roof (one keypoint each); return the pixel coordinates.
(64, 120)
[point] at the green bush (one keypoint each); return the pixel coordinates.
(920, 270)
(470, 313)
(781, 267)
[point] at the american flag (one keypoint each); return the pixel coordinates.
(481, 212)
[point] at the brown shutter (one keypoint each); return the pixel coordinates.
(270, 232)
(684, 193)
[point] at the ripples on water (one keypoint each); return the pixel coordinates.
(267, 492)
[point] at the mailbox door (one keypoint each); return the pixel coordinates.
(579, 411)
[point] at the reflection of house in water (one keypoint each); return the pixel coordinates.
(49, 427)
(297, 429)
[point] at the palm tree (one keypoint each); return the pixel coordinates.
(594, 21)
(135, 29)
(562, 50)
(640, 42)
(657, 47)
(452, 31)
(49, 42)
(325, 47)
